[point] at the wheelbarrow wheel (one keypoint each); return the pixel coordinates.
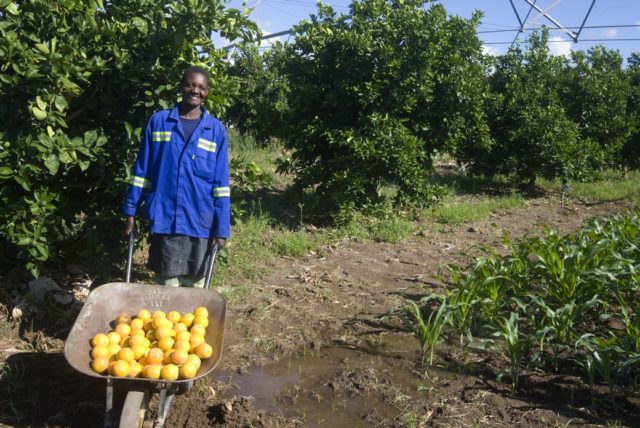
(135, 409)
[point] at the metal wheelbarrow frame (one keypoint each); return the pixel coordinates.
(107, 301)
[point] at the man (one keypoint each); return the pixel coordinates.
(181, 182)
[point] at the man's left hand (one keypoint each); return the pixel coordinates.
(221, 242)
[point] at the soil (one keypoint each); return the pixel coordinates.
(318, 343)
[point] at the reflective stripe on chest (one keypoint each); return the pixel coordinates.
(207, 145)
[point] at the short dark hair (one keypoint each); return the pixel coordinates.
(194, 69)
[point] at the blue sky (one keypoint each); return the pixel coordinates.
(277, 15)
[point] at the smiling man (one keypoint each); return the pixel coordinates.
(180, 181)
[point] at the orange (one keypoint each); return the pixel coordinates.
(147, 343)
(201, 311)
(100, 339)
(167, 357)
(138, 351)
(114, 337)
(113, 348)
(100, 364)
(148, 326)
(179, 356)
(182, 344)
(158, 314)
(203, 321)
(136, 340)
(183, 335)
(195, 360)
(151, 335)
(195, 340)
(123, 329)
(187, 319)
(204, 350)
(126, 354)
(152, 371)
(143, 361)
(155, 356)
(123, 318)
(144, 315)
(135, 369)
(198, 329)
(165, 344)
(174, 316)
(163, 332)
(179, 326)
(169, 372)
(99, 351)
(125, 343)
(188, 370)
(120, 368)
(136, 324)
(158, 322)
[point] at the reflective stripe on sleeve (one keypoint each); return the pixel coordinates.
(207, 145)
(160, 136)
(219, 192)
(140, 182)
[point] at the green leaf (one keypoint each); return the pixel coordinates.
(60, 102)
(12, 9)
(38, 114)
(42, 48)
(65, 158)
(22, 182)
(90, 137)
(5, 172)
(41, 104)
(52, 163)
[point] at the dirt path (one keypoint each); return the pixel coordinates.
(316, 344)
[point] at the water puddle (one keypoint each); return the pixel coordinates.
(338, 386)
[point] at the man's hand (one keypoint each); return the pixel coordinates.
(128, 227)
(220, 242)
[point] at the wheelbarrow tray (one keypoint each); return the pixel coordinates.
(107, 301)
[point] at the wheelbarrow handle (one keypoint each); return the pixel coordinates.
(213, 252)
(132, 240)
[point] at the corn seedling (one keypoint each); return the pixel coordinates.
(428, 331)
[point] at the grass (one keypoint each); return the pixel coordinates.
(614, 187)
(455, 210)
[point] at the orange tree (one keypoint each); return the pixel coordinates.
(78, 79)
(533, 135)
(595, 90)
(374, 94)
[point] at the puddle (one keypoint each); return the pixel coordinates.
(339, 386)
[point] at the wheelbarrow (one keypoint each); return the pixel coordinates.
(107, 301)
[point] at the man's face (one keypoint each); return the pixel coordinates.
(194, 89)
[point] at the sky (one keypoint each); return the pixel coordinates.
(614, 19)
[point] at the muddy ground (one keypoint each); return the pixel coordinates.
(318, 343)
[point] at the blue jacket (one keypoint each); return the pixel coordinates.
(182, 188)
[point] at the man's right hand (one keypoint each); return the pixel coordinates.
(128, 227)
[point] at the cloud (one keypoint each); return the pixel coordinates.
(610, 33)
(490, 50)
(559, 46)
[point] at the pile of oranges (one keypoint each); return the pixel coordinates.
(156, 345)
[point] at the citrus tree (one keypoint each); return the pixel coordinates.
(533, 135)
(78, 79)
(595, 91)
(374, 94)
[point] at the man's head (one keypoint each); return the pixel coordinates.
(194, 86)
